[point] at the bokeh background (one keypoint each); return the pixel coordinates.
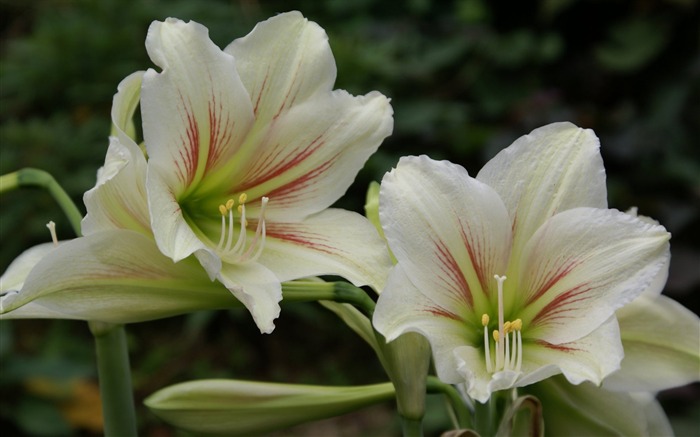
(466, 78)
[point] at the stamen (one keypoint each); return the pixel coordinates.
(487, 347)
(239, 251)
(499, 344)
(52, 229)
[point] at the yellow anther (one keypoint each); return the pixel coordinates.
(229, 204)
(517, 325)
(240, 209)
(507, 327)
(496, 335)
(242, 198)
(222, 209)
(484, 319)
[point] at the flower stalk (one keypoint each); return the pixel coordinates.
(115, 379)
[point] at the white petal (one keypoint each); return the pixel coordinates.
(479, 383)
(115, 276)
(282, 62)
(581, 266)
(450, 232)
(403, 308)
(18, 270)
(307, 158)
(124, 106)
(257, 288)
(590, 358)
(586, 410)
(554, 168)
(196, 111)
(118, 200)
(662, 346)
(332, 242)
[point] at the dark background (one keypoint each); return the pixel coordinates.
(466, 78)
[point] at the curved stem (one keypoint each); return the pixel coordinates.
(115, 379)
(342, 292)
(28, 177)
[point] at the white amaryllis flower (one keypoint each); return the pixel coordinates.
(247, 148)
(515, 275)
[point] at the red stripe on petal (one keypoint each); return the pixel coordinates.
(557, 347)
(189, 150)
(476, 262)
(219, 135)
(441, 312)
(563, 303)
(548, 281)
(292, 234)
(453, 278)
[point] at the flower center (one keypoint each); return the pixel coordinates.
(507, 340)
(241, 250)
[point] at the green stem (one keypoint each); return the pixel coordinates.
(464, 416)
(115, 379)
(411, 427)
(28, 177)
(343, 292)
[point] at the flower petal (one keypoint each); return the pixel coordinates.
(450, 232)
(257, 288)
(332, 242)
(124, 106)
(590, 358)
(403, 308)
(18, 270)
(118, 200)
(661, 340)
(307, 158)
(283, 61)
(581, 266)
(196, 111)
(116, 276)
(554, 168)
(586, 410)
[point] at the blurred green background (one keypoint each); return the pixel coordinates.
(466, 77)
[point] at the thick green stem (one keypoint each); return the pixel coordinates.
(411, 427)
(463, 415)
(115, 379)
(28, 177)
(343, 292)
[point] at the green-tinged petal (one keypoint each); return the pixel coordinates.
(257, 288)
(661, 339)
(581, 266)
(554, 168)
(283, 61)
(196, 111)
(118, 200)
(310, 155)
(116, 276)
(243, 408)
(450, 232)
(586, 410)
(332, 242)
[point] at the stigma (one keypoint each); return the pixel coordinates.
(507, 339)
(239, 248)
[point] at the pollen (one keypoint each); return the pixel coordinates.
(484, 319)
